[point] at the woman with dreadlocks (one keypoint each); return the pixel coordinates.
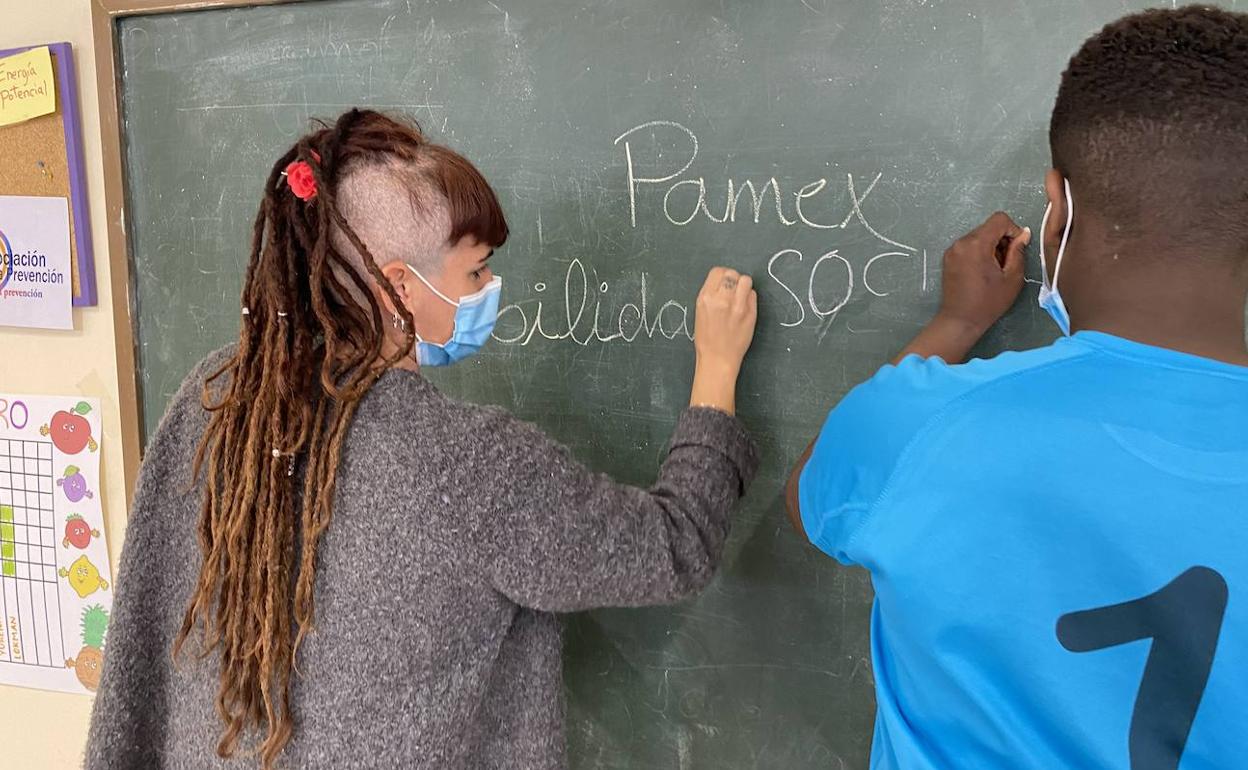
(381, 565)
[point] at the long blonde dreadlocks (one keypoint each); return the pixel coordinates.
(308, 351)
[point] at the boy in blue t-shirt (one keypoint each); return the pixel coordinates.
(1058, 539)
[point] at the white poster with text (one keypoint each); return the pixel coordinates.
(56, 588)
(35, 286)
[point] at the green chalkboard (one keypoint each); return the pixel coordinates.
(831, 148)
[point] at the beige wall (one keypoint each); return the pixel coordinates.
(44, 729)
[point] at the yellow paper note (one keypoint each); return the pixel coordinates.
(27, 89)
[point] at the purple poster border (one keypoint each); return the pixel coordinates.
(67, 94)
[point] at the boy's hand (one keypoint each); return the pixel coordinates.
(983, 273)
(983, 276)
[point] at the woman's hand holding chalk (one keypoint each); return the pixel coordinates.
(723, 330)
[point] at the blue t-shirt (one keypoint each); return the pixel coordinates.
(1058, 541)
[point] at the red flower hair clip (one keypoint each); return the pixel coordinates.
(301, 180)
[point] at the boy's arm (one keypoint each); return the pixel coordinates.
(983, 276)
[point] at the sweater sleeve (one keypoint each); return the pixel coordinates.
(129, 717)
(564, 539)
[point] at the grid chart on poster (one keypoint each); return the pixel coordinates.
(28, 577)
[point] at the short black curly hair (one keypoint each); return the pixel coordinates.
(1151, 125)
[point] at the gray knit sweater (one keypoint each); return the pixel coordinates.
(458, 532)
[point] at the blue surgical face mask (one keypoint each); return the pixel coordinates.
(1050, 299)
(474, 322)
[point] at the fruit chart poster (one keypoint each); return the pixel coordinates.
(56, 588)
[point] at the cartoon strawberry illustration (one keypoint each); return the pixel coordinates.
(74, 484)
(70, 431)
(78, 533)
(91, 657)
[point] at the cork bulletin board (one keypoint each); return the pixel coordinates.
(43, 157)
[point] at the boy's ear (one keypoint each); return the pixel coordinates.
(1055, 191)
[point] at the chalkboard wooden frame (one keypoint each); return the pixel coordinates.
(105, 14)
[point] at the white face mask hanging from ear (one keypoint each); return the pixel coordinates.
(1050, 299)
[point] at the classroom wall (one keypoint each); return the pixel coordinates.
(43, 729)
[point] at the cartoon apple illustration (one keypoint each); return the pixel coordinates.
(78, 533)
(70, 431)
(74, 484)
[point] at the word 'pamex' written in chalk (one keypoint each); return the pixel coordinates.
(816, 287)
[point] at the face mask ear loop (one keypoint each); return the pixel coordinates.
(1061, 249)
(432, 288)
(1044, 263)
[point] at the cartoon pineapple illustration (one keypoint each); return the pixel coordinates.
(90, 658)
(83, 577)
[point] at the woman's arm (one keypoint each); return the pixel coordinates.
(567, 539)
(130, 715)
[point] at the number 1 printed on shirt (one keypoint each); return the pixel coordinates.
(1184, 619)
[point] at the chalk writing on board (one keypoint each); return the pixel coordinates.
(814, 288)
(732, 211)
(633, 320)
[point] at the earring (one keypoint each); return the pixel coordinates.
(398, 322)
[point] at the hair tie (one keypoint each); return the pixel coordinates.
(290, 460)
